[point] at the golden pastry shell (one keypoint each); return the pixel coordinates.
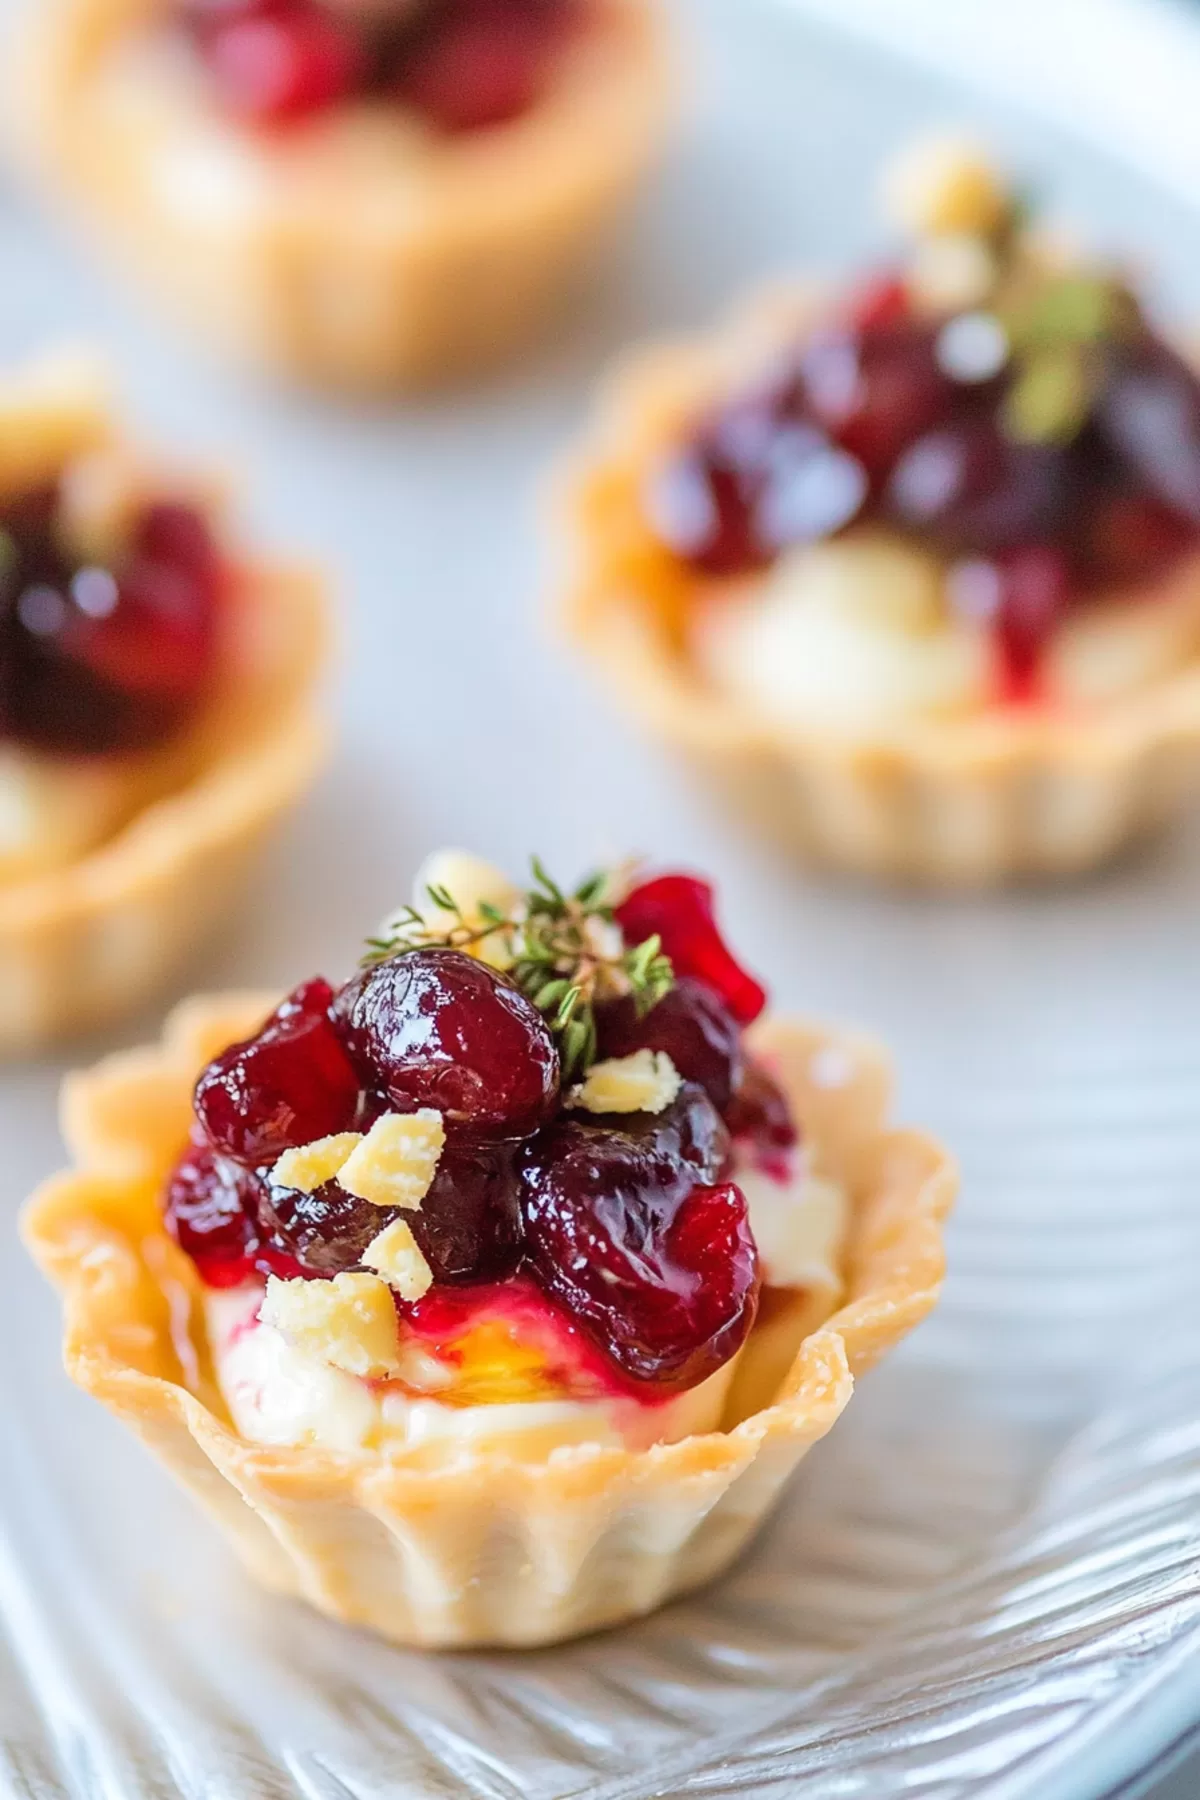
(486, 1550)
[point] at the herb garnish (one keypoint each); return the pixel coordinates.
(563, 950)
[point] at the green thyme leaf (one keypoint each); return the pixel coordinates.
(1049, 399)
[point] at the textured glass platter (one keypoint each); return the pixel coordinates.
(987, 1581)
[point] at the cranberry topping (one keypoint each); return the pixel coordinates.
(463, 65)
(437, 1028)
(691, 1024)
(628, 1230)
(96, 660)
(289, 1084)
(679, 909)
(1115, 499)
(212, 1212)
(760, 1111)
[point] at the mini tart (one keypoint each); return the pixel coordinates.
(971, 800)
(356, 251)
(90, 938)
(488, 1549)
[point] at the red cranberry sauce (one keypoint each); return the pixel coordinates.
(97, 659)
(463, 65)
(630, 1226)
(898, 419)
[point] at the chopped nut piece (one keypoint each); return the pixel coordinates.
(312, 1165)
(349, 1322)
(396, 1255)
(647, 1081)
(395, 1163)
(944, 185)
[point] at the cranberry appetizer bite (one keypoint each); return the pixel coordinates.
(491, 1297)
(915, 568)
(363, 195)
(156, 707)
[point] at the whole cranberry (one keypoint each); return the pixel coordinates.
(469, 1226)
(437, 1028)
(691, 1024)
(273, 66)
(209, 1208)
(877, 389)
(478, 63)
(679, 909)
(291, 1083)
(1149, 411)
(970, 490)
(761, 1113)
(628, 1231)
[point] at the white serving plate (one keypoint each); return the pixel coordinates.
(987, 1581)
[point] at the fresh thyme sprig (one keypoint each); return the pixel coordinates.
(563, 949)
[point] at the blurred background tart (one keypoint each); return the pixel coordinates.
(157, 706)
(359, 194)
(914, 565)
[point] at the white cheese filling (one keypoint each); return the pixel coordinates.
(855, 634)
(279, 1394)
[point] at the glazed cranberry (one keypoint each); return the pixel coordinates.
(210, 1212)
(273, 66)
(880, 301)
(1149, 410)
(761, 1113)
(1130, 537)
(480, 63)
(94, 660)
(701, 504)
(691, 1024)
(970, 490)
(1023, 595)
(437, 1028)
(628, 1231)
(469, 1226)
(291, 1083)
(876, 390)
(679, 910)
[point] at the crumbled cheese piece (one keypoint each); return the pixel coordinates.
(312, 1165)
(647, 1081)
(349, 1322)
(944, 184)
(394, 1165)
(396, 1255)
(951, 274)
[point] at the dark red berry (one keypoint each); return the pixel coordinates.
(437, 1028)
(876, 390)
(479, 63)
(970, 490)
(760, 1118)
(469, 1226)
(880, 301)
(628, 1230)
(1149, 411)
(679, 910)
(272, 67)
(691, 1024)
(210, 1212)
(291, 1083)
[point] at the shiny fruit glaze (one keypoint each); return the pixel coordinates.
(680, 910)
(442, 1030)
(628, 1227)
(95, 659)
(463, 65)
(865, 424)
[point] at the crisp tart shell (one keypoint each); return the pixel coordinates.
(82, 944)
(1000, 794)
(350, 276)
(485, 1550)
